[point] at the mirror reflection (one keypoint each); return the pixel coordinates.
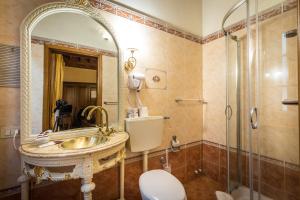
(74, 64)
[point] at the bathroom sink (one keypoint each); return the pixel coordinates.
(83, 142)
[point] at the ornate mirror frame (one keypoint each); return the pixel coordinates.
(75, 6)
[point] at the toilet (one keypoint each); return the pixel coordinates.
(161, 185)
(145, 133)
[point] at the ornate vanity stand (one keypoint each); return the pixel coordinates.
(83, 164)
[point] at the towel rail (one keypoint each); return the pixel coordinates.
(177, 100)
(110, 103)
(289, 102)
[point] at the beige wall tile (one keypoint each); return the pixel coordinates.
(214, 91)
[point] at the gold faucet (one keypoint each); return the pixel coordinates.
(89, 114)
(108, 131)
(85, 109)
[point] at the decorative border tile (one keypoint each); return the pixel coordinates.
(289, 4)
(164, 26)
(264, 15)
(162, 151)
(262, 157)
(143, 19)
(220, 147)
(292, 166)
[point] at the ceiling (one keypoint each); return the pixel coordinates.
(184, 14)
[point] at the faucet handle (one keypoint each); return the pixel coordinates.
(108, 132)
(44, 133)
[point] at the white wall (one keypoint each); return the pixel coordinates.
(213, 12)
(110, 87)
(37, 82)
(185, 14)
(76, 29)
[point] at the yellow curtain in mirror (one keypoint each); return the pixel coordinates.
(58, 78)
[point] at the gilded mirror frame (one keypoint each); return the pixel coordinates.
(75, 6)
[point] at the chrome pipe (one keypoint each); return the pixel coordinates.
(227, 120)
(230, 11)
(238, 111)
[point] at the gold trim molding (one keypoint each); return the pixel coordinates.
(79, 7)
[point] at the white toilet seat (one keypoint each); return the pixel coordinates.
(161, 185)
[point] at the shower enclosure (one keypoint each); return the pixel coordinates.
(262, 114)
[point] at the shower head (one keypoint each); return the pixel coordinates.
(234, 37)
(290, 34)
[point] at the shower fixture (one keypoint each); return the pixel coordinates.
(230, 11)
(290, 34)
(236, 108)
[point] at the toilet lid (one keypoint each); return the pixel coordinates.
(161, 185)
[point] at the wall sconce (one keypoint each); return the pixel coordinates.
(131, 62)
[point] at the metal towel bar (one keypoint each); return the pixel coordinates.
(110, 103)
(177, 100)
(289, 102)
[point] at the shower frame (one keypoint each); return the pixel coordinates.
(252, 112)
(252, 83)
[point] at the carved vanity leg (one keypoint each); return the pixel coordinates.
(24, 180)
(87, 186)
(122, 175)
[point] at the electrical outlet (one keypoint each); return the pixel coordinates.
(8, 132)
(4, 131)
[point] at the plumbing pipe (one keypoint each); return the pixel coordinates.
(167, 157)
(145, 161)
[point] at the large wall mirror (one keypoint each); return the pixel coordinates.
(73, 63)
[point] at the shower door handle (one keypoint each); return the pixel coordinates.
(228, 112)
(253, 113)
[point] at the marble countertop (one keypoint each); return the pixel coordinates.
(54, 151)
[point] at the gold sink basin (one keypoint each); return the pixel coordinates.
(83, 142)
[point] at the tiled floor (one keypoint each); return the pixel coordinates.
(202, 188)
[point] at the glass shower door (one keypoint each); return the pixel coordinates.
(278, 96)
(262, 113)
(233, 126)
